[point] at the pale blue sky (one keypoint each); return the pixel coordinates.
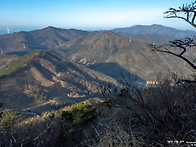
(87, 14)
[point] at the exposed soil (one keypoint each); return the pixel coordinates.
(47, 83)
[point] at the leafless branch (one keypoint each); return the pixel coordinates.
(182, 81)
(13, 136)
(48, 127)
(181, 44)
(186, 12)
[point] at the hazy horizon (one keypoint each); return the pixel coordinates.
(86, 14)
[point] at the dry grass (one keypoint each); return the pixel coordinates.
(136, 117)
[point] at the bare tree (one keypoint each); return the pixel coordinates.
(186, 12)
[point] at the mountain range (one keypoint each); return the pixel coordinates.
(46, 38)
(102, 50)
(74, 87)
(155, 29)
(70, 64)
(52, 37)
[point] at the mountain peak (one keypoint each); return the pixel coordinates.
(109, 32)
(157, 25)
(50, 27)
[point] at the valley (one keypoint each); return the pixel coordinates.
(73, 62)
(68, 87)
(104, 53)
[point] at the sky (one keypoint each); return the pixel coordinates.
(86, 14)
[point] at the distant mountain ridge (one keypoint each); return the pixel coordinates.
(46, 38)
(51, 37)
(128, 52)
(155, 29)
(149, 38)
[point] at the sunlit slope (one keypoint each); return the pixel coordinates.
(43, 81)
(131, 54)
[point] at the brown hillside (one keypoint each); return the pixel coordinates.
(52, 37)
(46, 38)
(96, 48)
(103, 51)
(49, 82)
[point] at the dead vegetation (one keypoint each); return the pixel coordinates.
(41, 76)
(137, 116)
(161, 114)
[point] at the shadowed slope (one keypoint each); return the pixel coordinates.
(133, 54)
(45, 81)
(115, 71)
